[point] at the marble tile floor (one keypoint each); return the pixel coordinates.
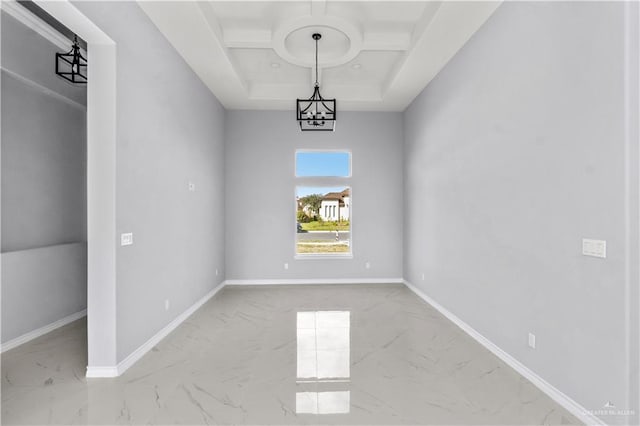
(321, 354)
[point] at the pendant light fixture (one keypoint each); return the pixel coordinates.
(316, 113)
(72, 66)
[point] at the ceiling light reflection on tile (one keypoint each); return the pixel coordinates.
(338, 402)
(323, 345)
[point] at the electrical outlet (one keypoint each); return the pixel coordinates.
(286, 266)
(126, 239)
(192, 187)
(532, 340)
(166, 305)
(595, 248)
(423, 276)
(216, 272)
(367, 265)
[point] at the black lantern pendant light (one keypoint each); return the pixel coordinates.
(316, 113)
(72, 66)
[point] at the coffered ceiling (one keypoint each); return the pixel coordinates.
(373, 55)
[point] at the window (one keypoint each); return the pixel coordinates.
(323, 163)
(323, 203)
(324, 220)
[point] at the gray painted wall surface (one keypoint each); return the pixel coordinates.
(43, 186)
(260, 195)
(169, 132)
(43, 147)
(632, 119)
(513, 154)
(43, 168)
(41, 286)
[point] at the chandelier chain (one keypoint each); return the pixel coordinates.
(317, 84)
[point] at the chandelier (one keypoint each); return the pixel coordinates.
(72, 66)
(316, 113)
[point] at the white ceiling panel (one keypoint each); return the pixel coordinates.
(373, 55)
(369, 67)
(264, 66)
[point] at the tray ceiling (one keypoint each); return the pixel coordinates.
(373, 55)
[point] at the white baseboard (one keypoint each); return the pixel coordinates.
(146, 347)
(101, 372)
(114, 371)
(317, 281)
(42, 330)
(572, 406)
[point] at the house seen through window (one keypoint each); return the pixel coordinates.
(323, 212)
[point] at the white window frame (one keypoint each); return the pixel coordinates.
(324, 181)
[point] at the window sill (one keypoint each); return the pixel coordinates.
(323, 256)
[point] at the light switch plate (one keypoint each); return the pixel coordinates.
(532, 340)
(595, 248)
(126, 239)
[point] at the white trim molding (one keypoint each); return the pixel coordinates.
(316, 281)
(43, 89)
(572, 406)
(101, 372)
(24, 16)
(42, 331)
(135, 356)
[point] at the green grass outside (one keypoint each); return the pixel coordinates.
(318, 241)
(322, 249)
(325, 226)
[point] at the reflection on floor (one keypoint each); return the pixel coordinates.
(283, 355)
(324, 352)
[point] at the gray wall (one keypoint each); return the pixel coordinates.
(513, 154)
(43, 186)
(260, 195)
(169, 133)
(41, 286)
(43, 145)
(43, 168)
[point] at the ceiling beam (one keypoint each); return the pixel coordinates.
(386, 41)
(423, 49)
(213, 67)
(453, 24)
(247, 39)
(428, 14)
(282, 92)
(318, 7)
(420, 28)
(290, 92)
